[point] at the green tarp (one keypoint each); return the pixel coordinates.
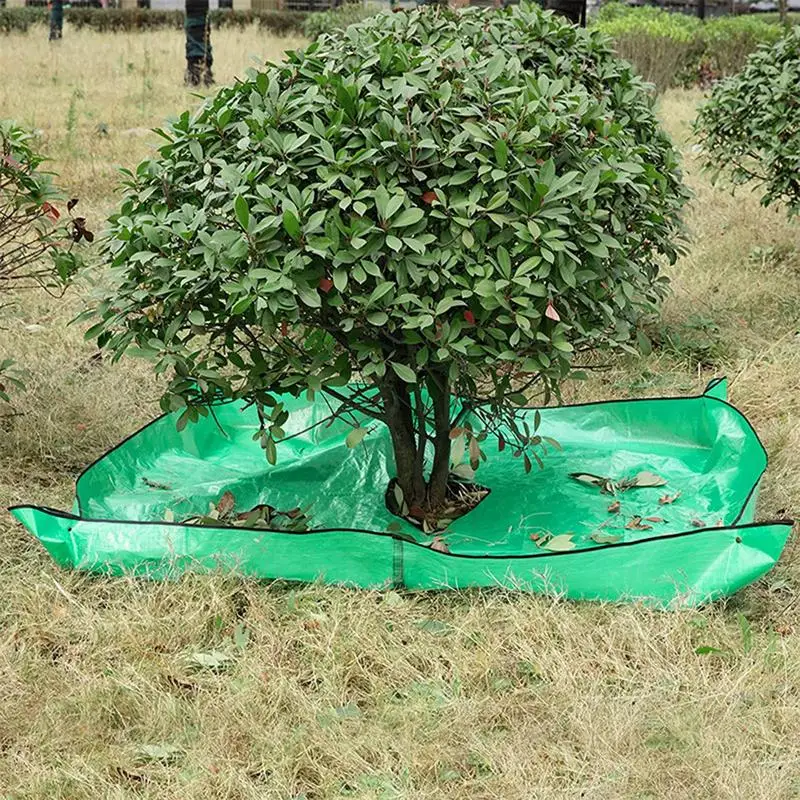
(702, 546)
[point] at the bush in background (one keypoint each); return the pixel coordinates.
(338, 18)
(677, 49)
(36, 238)
(750, 128)
(116, 20)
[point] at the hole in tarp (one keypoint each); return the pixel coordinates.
(462, 498)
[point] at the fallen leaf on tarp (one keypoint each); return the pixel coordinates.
(226, 504)
(669, 498)
(605, 538)
(647, 479)
(636, 524)
(698, 523)
(560, 543)
(655, 519)
(165, 487)
(587, 477)
(614, 507)
(439, 545)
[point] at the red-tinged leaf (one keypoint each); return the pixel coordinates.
(469, 317)
(501, 443)
(551, 313)
(325, 284)
(655, 519)
(416, 512)
(428, 197)
(284, 328)
(12, 162)
(456, 432)
(226, 504)
(52, 212)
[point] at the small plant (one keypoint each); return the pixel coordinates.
(423, 220)
(750, 127)
(36, 239)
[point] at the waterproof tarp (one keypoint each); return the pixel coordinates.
(701, 546)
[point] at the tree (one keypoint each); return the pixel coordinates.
(750, 126)
(36, 240)
(443, 207)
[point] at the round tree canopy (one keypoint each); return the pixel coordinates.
(448, 199)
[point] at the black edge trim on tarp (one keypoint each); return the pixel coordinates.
(733, 526)
(727, 528)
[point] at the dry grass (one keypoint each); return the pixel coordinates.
(351, 694)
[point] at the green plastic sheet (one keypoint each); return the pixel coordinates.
(702, 546)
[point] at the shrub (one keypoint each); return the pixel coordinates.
(750, 127)
(19, 20)
(338, 18)
(673, 48)
(444, 207)
(36, 244)
(116, 20)
(658, 43)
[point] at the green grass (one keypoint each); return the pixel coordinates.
(327, 693)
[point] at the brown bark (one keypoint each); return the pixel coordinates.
(400, 421)
(409, 439)
(439, 390)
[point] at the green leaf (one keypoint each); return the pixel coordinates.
(394, 243)
(355, 437)
(242, 211)
(501, 153)
(409, 216)
(378, 318)
(495, 67)
(270, 450)
(403, 372)
(291, 224)
(380, 291)
(196, 317)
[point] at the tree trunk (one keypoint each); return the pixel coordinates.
(439, 390)
(400, 421)
(783, 11)
(408, 440)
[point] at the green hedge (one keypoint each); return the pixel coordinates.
(137, 19)
(677, 49)
(337, 18)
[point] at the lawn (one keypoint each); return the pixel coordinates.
(215, 687)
